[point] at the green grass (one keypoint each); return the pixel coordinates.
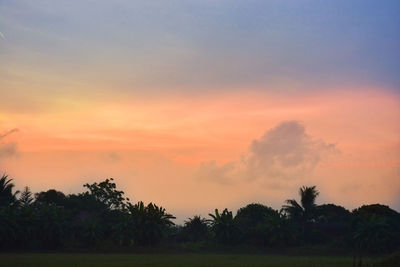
(60, 259)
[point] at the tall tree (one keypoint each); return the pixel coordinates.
(7, 197)
(106, 192)
(304, 213)
(306, 210)
(26, 197)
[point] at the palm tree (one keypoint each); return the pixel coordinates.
(305, 210)
(196, 228)
(302, 213)
(7, 197)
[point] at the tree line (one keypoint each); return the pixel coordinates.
(103, 218)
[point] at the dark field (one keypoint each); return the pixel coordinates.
(173, 260)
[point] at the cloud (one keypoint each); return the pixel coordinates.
(2, 36)
(283, 153)
(8, 149)
(114, 157)
(220, 174)
(8, 133)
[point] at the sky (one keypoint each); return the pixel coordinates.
(197, 105)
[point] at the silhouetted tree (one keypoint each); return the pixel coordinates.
(8, 227)
(372, 234)
(196, 229)
(376, 228)
(51, 196)
(26, 197)
(280, 230)
(7, 196)
(253, 222)
(102, 218)
(100, 214)
(303, 214)
(224, 227)
(332, 213)
(306, 210)
(150, 223)
(106, 193)
(333, 223)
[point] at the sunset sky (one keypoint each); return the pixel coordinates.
(197, 105)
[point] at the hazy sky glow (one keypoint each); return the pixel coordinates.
(199, 105)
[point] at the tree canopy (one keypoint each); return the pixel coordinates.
(102, 218)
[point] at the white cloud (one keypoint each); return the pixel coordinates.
(283, 153)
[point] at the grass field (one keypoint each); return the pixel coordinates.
(59, 260)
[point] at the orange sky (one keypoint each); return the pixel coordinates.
(155, 150)
(197, 105)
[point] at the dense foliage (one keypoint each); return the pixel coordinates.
(103, 218)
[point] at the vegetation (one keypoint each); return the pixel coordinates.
(103, 219)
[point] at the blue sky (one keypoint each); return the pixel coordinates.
(197, 45)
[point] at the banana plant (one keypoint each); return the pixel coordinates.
(224, 226)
